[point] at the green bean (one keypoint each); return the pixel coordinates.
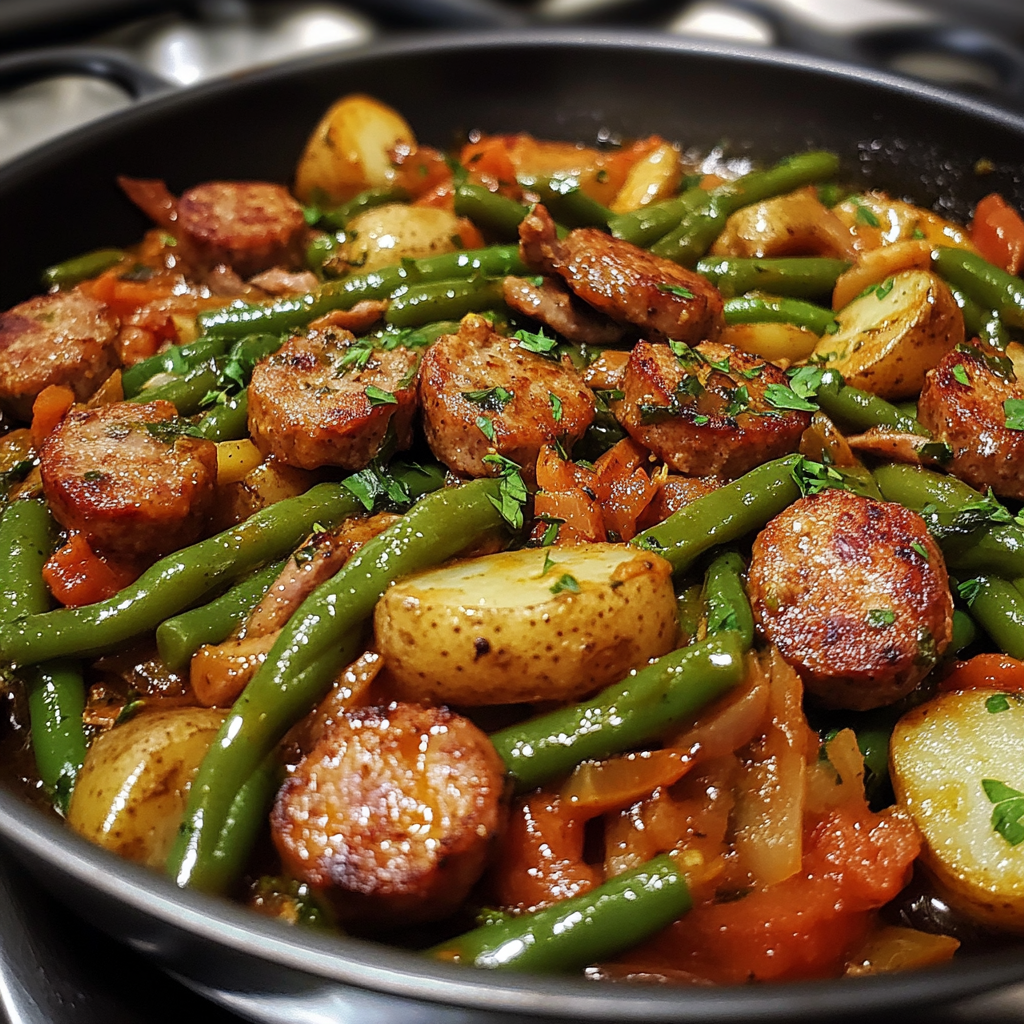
(964, 631)
(769, 309)
(180, 636)
(186, 393)
(689, 610)
(701, 225)
(998, 607)
(575, 932)
(988, 285)
(317, 640)
(649, 223)
(320, 249)
(861, 410)
(490, 210)
(178, 359)
(239, 319)
(724, 515)
(647, 703)
(339, 216)
(726, 605)
(228, 421)
(980, 322)
(988, 539)
(55, 689)
(420, 304)
(179, 580)
(799, 277)
(568, 203)
(81, 268)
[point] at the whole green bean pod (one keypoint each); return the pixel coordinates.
(726, 605)
(490, 210)
(339, 216)
(689, 612)
(283, 315)
(568, 203)
(861, 410)
(443, 300)
(578, 931)
(989, 285)
(964, 631)
(804, 277)
(646, 225)
(55, 689)
(646, 704)
(771, 309)
(980, 322)
(81, 268)
(186, 393)
(179, 580)
(317, 640)
(700, 226)
(998, 607)
(178, 359)
(180, 636)
(228, 421)
(320, 249)
(724, 515)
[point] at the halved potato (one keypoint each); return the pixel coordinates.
(130, 795)
(877, 220)
(351, 150)
(891, 336)
(388, 234)
(652, 178)
(940, 753)
(778, 343)
(528, 625)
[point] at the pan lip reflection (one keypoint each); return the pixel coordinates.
(48, 848)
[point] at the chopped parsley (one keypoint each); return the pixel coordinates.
(1014, 410)
(549, 562)
(880, 618)
(551, 532)
(677, 290)
(740, 401)
(920, 549)
(866, 216)
(610, 395)
(511, 490)
(814, 477)
(169, 431)
(700, 420)
(377, 485)
(884, 288)
(781, 397)
(486, 427)
(1008, 810)
(92, 476)
(492, 399)
(378, 396)
(937, 450)
(565, 582)
(686, 356)
(538, 343)
(556, 406)
(969, 590)
(960, 375)
(997, 703)
(722, 366)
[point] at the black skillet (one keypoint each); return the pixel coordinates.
(909, 138)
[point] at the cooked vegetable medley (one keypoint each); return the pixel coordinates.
(538, 556)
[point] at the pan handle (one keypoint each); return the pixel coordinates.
(111, 65)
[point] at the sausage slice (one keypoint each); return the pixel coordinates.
(704, 411)
(482, 392)
(391, 815)
(127, 479)
(321, 400)
(623, 281)
(249, 225)
(65, 338)
(854, 594)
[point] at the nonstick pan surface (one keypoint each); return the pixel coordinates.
(911, 139)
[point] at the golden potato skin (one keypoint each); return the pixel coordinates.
(392, 814)
(826, 576)
(131, 792)
(971, 419)
(490, 630)
(939, 755)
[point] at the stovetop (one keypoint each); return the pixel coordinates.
(56, 968)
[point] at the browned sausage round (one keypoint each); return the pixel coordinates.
(478, 382)
(549, 301)
(122, 475)
(64, 338)
(318, 402)
(704, 412)
(623, 281)
(249, 225)
(855, 595)
(391, 815)
(971, 419)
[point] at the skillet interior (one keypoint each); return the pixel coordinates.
(61, 200)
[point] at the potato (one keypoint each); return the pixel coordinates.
(528, 625)
(890, 337)
(873, 266)
(878, 220)
(388, 234)
(236, 460)
(778, 343)
(130, 795)
(351, 150)
(940, 753)
(652, 178)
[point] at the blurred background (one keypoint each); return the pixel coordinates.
(140, 45)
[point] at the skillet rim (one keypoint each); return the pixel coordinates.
(37, 840)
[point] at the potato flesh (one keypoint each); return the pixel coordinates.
(889, 338)
(940, 753)
(394, 232)
(130, 795)
(490, 631)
